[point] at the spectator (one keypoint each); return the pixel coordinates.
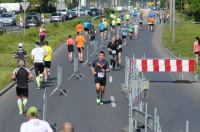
(67, 127)
(197, 49)
(34, 124)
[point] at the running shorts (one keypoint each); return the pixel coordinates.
(22, 92)
(80, 49)
(85, 29)
(39, 68)
(101, 30)
(102, 81)
(123, 36)
(70, 48)
(47, 64)
(92, 38)
(118, 24)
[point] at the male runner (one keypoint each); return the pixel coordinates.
(80, 41)
(79, 28)
(124, 34)
(92, 33)
(130, 30)
(136, 30)
(105, 28)
(112, 48)
(101, 29)
(118, 42)
(99, 68)
(22, 75)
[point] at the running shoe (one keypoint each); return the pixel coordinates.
(98, 101)
(101, 102)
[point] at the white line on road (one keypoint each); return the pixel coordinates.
(113, 104)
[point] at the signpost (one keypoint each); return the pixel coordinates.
(24, 5)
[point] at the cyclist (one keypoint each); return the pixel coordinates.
(20, 53)
(130, 30)
(112, 48)
(38, 54)
(136, 30)
(47, 59)
(80, 41)
(22, 75)
(101, 29)
(124, 34)
(119, 44)
(70, 45)
(99, 68)
(105, 28)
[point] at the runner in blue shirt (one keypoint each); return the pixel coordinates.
(124, 34)
(101, 29)
(85, 25)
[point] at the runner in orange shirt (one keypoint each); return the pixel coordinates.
(79, 28)
(80, 41)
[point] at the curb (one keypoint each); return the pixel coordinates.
(11, 84)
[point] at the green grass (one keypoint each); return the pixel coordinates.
(56, 33)
(186, 32)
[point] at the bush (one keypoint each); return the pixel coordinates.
(108, 11)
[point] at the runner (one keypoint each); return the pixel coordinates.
(70, 45)
(136, 30)
(47, 59)
(80, 41)
(42, 33)
(38, 54)
(79, 28)
(112, 48)
(34, 124)
(99, 68)
(22, 75)
(101, 29)
(118, 42)
(89, 26)
(127, 17)
(140, 24)
(92, 33)
(113, 24)
(20, 53)
(130, 30)
(124, 34)
(197, 49)
(105, 28)
(118, 24)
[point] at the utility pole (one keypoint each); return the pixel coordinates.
(170, 15)
(174, 17)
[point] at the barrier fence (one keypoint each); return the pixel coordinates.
(136, 88)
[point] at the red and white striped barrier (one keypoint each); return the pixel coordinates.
(165, 65)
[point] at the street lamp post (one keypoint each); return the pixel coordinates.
(24, 16)
(174, 17)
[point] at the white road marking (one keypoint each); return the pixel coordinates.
(113, 104)
(110, 79)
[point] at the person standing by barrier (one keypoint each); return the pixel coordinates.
(79, 28)
(22, 75)
(99, 68)
(42, 33)
(34, 124)
(70, 45)
(67, 127)
(196, 50)
(80, 41)
(38, 54)
(112, 48)
(47, 59)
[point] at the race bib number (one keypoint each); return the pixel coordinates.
(113, 52)
(101, 74)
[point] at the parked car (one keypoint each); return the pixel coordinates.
(2, 10)
(32, 21)
(70, 15)
(63, 11)
(57, 17)
(94, 11)
(83, 12)
(74, 10)
(2, 29)
(8, 18)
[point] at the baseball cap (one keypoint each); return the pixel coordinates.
(20, 44)
(32, 111)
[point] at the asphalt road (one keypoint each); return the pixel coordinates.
(176, 103)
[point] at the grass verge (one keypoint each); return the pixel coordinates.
(186, 31)
(56, 33)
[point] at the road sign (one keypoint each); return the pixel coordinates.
(24, 5)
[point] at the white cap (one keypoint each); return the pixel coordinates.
(20, 44)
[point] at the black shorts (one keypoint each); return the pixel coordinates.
(123, 36)
(70, 48)
(86, 29)
(119, 50)
(113, 26)
(39, 68)
(47, 64)
(131, 32)
(152, 24)
(118, 24)
(101, 30)
(197, 52)
(22, 92)
(92, 38)
(102, 81)
(80, 50)
(127, 19)
(105, 29)
(140, 23)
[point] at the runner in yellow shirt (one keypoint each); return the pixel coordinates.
(105, 28)
(47, 59)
